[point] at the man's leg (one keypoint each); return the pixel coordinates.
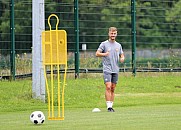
(114, 81)
(113, 86)
(112, 94)
(108, 94)
(109, 90)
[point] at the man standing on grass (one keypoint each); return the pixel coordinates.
(112, 53)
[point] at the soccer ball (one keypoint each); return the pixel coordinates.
(37, 117)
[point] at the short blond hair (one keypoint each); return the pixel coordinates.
(112, 29)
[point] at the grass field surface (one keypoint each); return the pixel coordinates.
(159, 117)
(147, 101)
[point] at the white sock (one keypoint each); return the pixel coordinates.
(111, 104)
(108, 103)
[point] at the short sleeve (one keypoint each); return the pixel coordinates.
(101, 47)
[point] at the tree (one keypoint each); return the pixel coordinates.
(157, 22)
(174, 20)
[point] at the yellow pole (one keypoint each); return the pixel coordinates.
(48, 92)
(51, 68)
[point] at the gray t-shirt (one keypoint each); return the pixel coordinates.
(111, 62)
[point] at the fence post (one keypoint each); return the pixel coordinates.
(38, 20)
(76, 24)
(12, 53)
(133, 32)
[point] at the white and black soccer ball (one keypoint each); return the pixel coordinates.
(37, 117)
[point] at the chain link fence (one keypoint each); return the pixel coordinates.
(158, 26)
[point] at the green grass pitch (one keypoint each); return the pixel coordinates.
(148, 101)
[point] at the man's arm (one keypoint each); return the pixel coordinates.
(100, 54)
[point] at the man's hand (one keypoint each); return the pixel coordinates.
(122, 58)
(106, 54)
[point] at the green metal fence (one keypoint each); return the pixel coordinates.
(158, 29)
